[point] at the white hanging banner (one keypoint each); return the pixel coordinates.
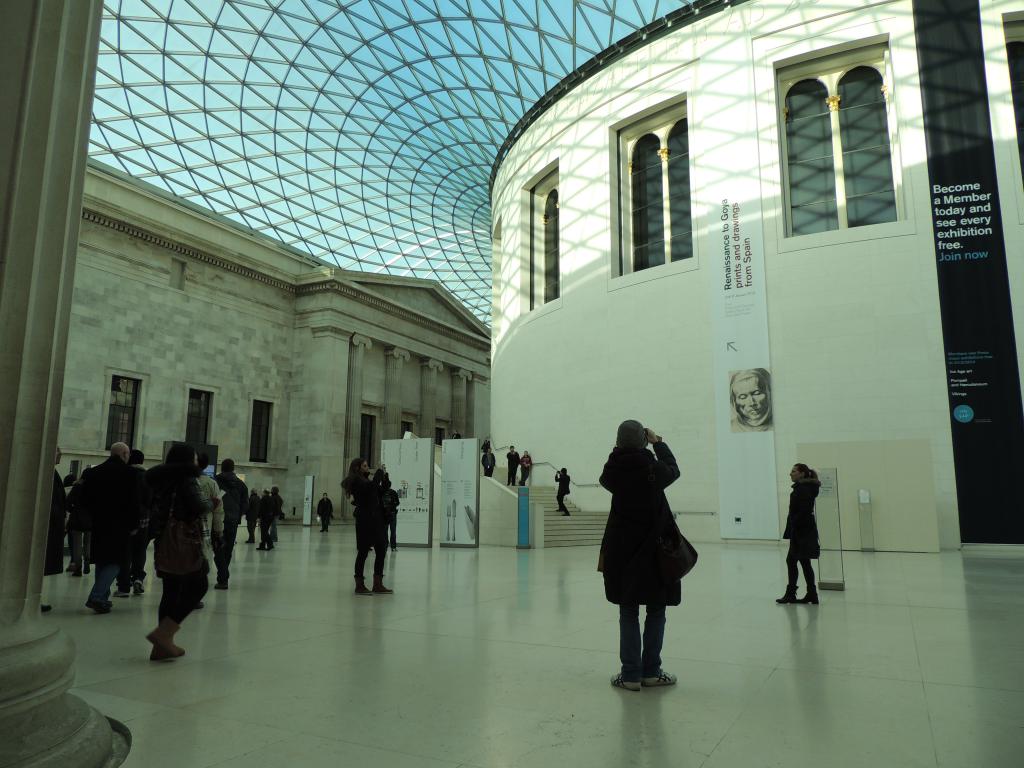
(410, 466)
(747, 491)
(460, 493)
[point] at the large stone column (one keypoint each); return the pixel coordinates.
(393, 360)
(327, 383)
(47, 70)
(428, 396)
(353, 407)
(459, 380)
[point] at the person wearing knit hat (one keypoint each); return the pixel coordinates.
(637, 479)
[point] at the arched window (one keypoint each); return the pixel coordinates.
(680, 224)
(867, 162)
(1015, 53)
(647, 204)
(551, 268)
(809, 159)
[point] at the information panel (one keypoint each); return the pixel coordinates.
(983, 382)
(460, 493)
(410, 466)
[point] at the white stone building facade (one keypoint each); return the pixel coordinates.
(186, 307)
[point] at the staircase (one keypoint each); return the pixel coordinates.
(580, 529)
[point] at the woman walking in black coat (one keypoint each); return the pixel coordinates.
(371, 526)
(802, 532)
(639, 514)
(176, 494)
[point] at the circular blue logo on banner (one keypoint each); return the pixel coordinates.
(963, 413)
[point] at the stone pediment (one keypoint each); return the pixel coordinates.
(424, 297)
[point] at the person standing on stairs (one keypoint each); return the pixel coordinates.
(513, 464)
(562, 481)
(802, 532)
(526, 464)
(488, 461)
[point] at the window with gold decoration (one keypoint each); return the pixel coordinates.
(837, 143)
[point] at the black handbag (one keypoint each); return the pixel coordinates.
(676, 555)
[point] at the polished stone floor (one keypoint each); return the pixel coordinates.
(501, 658)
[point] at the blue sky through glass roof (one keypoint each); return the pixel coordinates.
(361, 133)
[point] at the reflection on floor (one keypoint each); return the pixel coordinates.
(501, 658)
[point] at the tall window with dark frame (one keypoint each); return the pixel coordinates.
(838, 147)
(657, 197)
(197, 425)
(552, 276)
(124, 403)
(366, 429)
(438, 435)
(648, 203)
(680, 221)
(406, 427)
(1015, 55)
(259, 437)
(812, 184)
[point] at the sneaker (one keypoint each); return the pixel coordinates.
(45, 608)
(98, 607)
(221, 585)
(663, 678)
(123, 593)
(137, 588)
(629, 685)
(199, 605)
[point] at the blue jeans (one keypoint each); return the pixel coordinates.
(634, 663)
(105, 575)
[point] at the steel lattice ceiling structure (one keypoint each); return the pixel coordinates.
(361, 133)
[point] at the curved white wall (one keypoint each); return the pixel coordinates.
(852, 316)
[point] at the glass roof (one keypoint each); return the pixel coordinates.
(361, 132)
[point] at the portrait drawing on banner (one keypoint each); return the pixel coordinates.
(750, 398)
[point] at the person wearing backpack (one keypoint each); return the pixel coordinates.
(235, 501)
(181, 543)
(639, 515)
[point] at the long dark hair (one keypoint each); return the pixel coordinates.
(806, 471)
(354, 474)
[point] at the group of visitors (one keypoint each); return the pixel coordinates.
(523, 464)
(115, 509)
(633, 549)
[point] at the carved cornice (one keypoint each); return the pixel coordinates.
(348, 291)
(320, 286)
(132, 230)
(332, 331)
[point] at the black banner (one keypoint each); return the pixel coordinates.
(974, 290)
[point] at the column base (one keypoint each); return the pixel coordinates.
(41, 724)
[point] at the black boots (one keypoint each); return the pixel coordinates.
(789, 597)
(811, 596)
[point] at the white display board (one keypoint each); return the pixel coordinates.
(307, 501)
(410, 466)
(460, 493)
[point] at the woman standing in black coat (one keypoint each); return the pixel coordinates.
(371, 526)
(802, 532)
(639, 514)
